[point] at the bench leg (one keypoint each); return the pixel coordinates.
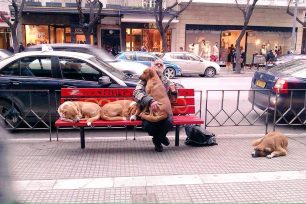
(56, 133)
(82, 137)
(134, 132)
(177, 135)
(126, 130)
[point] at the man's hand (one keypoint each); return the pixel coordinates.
(154, 106)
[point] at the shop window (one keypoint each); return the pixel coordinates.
(149, 38)
(81, 39)
(36, 34)
(151, 3)
(148, 3)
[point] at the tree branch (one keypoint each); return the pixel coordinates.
(81, 14)
(291, 14)
(171, 7)
(242, 10)
(183, 8)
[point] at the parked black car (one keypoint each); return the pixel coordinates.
(30, 82)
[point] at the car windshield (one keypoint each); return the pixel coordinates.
(294, 68)
(109, 68)
(102, 54)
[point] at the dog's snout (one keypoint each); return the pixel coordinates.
(255, 154)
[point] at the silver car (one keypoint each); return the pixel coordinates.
(192, 64)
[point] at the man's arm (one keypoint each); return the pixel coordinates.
(141, 96)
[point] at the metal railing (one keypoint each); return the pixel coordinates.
(253, 108)
(26, 109)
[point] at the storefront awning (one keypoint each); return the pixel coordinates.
(144, 19)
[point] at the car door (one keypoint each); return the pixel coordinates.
(195, 65)
(33, 86)
(178, 58)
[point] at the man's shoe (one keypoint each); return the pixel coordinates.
(165, 141)
(158, 147)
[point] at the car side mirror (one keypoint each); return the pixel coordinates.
(104, 80)
(201, 60)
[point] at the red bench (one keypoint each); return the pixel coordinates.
(183, 108)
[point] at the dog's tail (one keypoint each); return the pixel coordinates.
(91, 120)
(257, 142)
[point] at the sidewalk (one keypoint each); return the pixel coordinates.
(246, 72)
(114, 170)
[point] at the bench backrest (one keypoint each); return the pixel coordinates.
(185, 103)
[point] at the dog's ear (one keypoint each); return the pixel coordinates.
(151, 73)
(76, 111)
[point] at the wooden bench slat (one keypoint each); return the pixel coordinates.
(100, 101)
(179, 110)
(177, 120)
(109, 92)
(185, 92)
(187, 119)
(103, 101)
(184, 101)
(82, 123)
(96, 92)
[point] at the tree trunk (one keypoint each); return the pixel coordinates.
(238, 59)
(164, 42)
(87, 37)
(15, 40)
(238, 51)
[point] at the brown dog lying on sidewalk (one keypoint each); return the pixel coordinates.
(157, 90)
(74, 111)
(273, 144)
(120, 110)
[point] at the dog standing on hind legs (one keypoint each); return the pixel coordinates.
(273, 144)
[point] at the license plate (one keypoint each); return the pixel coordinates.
(260, 83)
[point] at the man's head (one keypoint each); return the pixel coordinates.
(158, 66)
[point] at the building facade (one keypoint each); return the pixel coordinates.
(5, 39)
(128, 25)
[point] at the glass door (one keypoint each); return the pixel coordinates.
(57, 34)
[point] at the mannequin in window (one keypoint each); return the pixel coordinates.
(191, 47)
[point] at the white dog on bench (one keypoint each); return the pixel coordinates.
(74, 111)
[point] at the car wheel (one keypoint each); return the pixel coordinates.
(169, 72)
(210, 72)
(10, 114)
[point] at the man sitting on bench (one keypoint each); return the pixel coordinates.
(158, 129)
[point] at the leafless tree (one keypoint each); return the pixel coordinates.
(292, 14)
(18, 8)
(160, 12)
(247, 12)
(95, 9)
